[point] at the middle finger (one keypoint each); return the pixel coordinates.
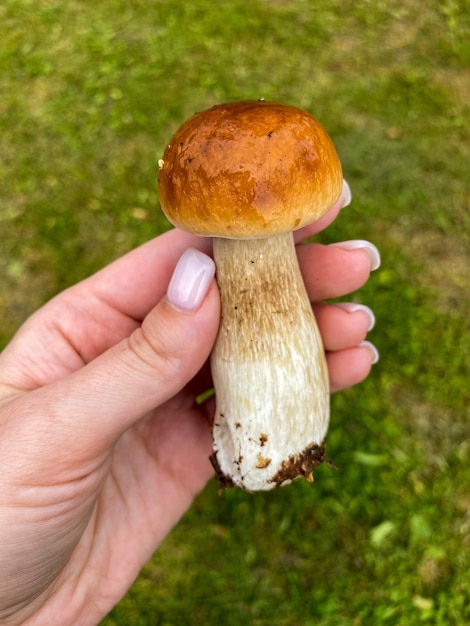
(332, 271)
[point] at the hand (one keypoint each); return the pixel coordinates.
(99, 425)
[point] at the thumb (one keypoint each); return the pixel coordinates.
(96, 404)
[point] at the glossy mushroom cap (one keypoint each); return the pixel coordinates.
(248, 170)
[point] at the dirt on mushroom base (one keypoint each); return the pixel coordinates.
(296, 466)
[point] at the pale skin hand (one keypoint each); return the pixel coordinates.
(102, 447)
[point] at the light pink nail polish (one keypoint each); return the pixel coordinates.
(374, 353)
(191, 280)
(346, 195)
(356, 244)
(351, 307)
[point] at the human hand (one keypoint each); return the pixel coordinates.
(102, 445)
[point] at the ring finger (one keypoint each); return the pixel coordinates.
(343, 325)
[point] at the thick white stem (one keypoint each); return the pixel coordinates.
(268, 367)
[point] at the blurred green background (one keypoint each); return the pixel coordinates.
(90, 92)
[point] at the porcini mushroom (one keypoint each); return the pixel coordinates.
(248, 174)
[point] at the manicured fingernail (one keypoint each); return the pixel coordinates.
(374, 353)
(351, 307)
(345, 195)
(357, 244)
(191, 280)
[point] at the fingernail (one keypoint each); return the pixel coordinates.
(191, 280)
(346, 195)
(372, 349)
(351, 307)
(357, 244)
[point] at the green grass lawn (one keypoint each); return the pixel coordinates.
(89, 94)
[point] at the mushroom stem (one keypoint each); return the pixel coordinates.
(268, 367)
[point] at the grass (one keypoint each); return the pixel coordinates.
(90, 94)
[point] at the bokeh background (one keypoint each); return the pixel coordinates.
(90, 92)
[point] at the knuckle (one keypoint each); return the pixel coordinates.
(151, 351)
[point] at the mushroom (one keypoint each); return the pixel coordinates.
(248, 174)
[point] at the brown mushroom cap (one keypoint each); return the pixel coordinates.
(248, 170)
